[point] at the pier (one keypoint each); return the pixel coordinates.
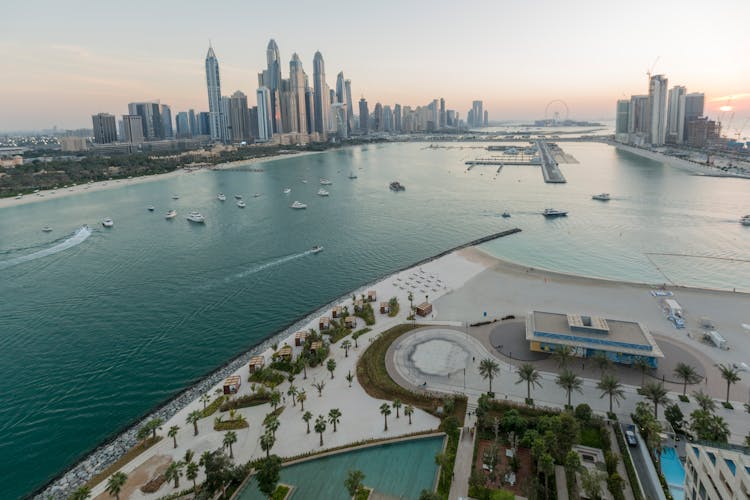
(550, 170)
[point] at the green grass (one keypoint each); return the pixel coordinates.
(268, 377)
(280, 492)
(211, 409)
(590, 436)
(362, 494)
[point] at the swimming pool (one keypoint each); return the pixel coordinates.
(674, 472)
(400, 470)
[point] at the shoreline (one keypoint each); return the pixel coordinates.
(93, 187)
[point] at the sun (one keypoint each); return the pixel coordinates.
(726, 108)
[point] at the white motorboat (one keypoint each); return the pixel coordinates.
(175, 197)
(745, 220)
(171, 214)
(298, 205)
(150, 208)
(287, 190)
(316, 249)
(506, 214)
(257, 195)
(46, 229)
(108, 222)
(238, 197)
(221, 197)
(551, 212)
(325, 182)
(304, 181)
(196, 217)
(352, 175)
(323, 192)
(241, 204)
(601, 197)
(18, 197)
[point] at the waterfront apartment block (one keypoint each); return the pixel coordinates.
(622, 342)
(716, 474)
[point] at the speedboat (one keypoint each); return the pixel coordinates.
(175, 197)
(221, 197)
(171, 214)
(325, 182)
(601, 197)
(238, 197)
(108, 222)
(257, 195)
(196, 217)
(745, 221)
(241, 204)
(551, 212)
(150, 208)
(46, 229)
(506, 214)
(322, 192)
(304, 181)
(396, 186)
(316, 249)
(352, 175)
(287, 190)
(298, 205)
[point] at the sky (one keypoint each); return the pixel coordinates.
(64, 61)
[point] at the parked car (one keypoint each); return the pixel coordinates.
(630, 435)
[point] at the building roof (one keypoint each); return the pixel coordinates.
(424, 305)
(607, 335)
(257, 360)
(232, 380)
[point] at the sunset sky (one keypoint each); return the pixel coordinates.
(64, 61)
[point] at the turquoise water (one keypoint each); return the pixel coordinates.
(97, 329)
(674, 472)
(401, 470)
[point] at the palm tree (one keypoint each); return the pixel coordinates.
(193, 418)
(527, 373)
(319, 386)
(643, 365)
(330, 366)
(267, 440)
(275, 399)
(191, 473)
(303, 359)
(307, 417)
(688, 375)
(570, 382)
(409, 411)
(173, 433)
(189, 454)
(396, 405)
(657, 393)
(115, 483)
(385, 410)
(302, 397)
(346, 345)
(205, 399)
(602, 362)
(731, 375)
(272, 424)
(334, 417)
(563, 355)
(705, 402)
(353, 482)
(154, 424)
(230, 437)
(173, 473)
(349, 378)
(320, 427)
(293, 392)
(488, 369)
(410, 296)
(81, 493)
(610, 386)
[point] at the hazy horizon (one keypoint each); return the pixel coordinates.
(65, 62)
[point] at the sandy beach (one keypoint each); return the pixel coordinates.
(51, 194)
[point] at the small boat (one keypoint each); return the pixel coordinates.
(322, 192)
(257, 195)
(18, 197)
(175, 197)
(238, 197)
(171, 214)
(241, 204)
(221, 197)
(287, 190)
(196, 217)
(352, 175)
(396, 186)
(601, 197)
(150, 208)
(506, 214)
(298, 205)
(745, 221)
(325, 182)
(46, 229)
(551, 212)
(316, 249)
(108, 222)
(304, 181)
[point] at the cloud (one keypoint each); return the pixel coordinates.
(733, 97)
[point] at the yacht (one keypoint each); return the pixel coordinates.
(221, 197)
(298, 205)
(196, 217)
(352, 175)
(322, 192)
(551, 212)
(304, 181)
(745, 221)
(257, 195)
(325, 182)
(506, 214)
(46, 229)
(396, 186)
(150, 208)
(175, 197)
(601, 197)
(316, 249)
(171, 214)
(287, 190)
(108, 222)
(241, 204)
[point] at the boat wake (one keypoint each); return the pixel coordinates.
(271, 263)
(78, 237)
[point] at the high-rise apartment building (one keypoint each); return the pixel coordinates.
(443, 117)
(638, 117)
(297, 95)
(265, 126)
(239, 118)
(166, 121)
(349, 105)
(622, 123)
(703, 132)
(364, 116)
(694, 103)
(204, 123)
(105, 128)
(397, 118)
(387, 119)
(716, 473)
(657, 103)
(272, 80)
(213, 83)
(377, 117)
(310, 109)
(322, 104)
(193, 121)
(225, 132)
(150, 113)
(486, 118)
(338, 112)
(132, 128)
(182, 123)
(676, 115)
(477, 113)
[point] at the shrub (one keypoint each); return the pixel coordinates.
(211, 409)
(267, 376)
(366, 314)
(727, 405)
(583, 413)
(684, 398)
(257, 398)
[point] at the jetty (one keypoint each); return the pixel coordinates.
(550, 170)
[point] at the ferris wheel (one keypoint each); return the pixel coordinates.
(557, 111)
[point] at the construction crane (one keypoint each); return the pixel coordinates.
(651, 69)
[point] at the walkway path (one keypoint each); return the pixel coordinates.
(464, 455)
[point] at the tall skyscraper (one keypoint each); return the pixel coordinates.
(297, 90)
(310, 109)
(477, 113)
(387, 119)
(693, 109)
(166, 121)
(623, 117)
(397, 118)
(676, 115)
(364, 116)
(105, 128)
(132, 126)
(377, 121)
(657, 104)
(192, 119)
(349, 105)
(486, 118)
(340, 88)
(225, 130)
(265, 127)
(204, 123)
(182, 122)
(338, 112)
(638, 117)
(213, 83)
(322, 103)
(442, 113)
(153, 128)
(239, 118)
(273, 82)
